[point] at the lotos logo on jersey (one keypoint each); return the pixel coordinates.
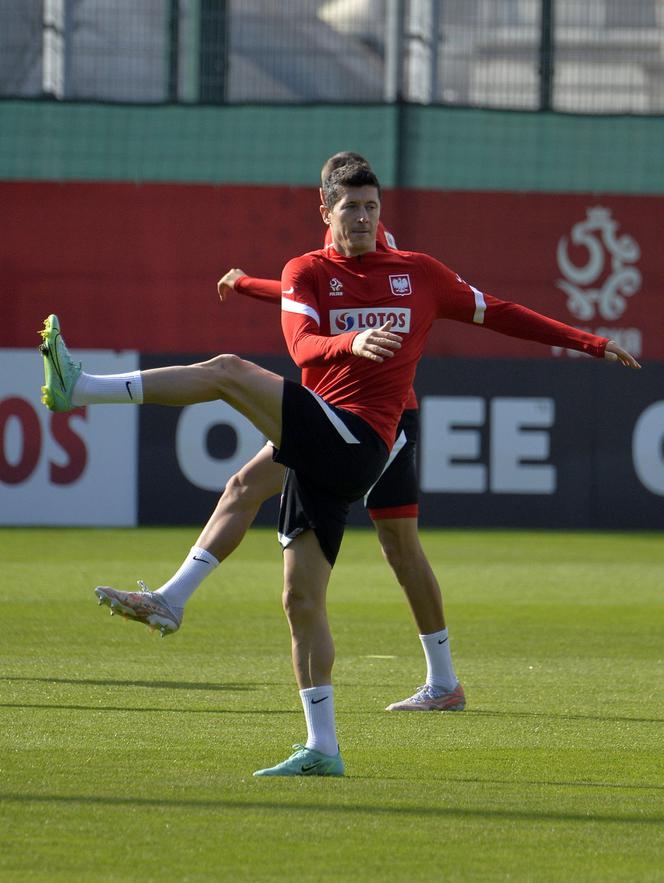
(400, 285)
(362, 319)
(340, 321)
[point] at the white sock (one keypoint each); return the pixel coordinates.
(440, 671)
(318, 704)
(108, 389)
(194, 569)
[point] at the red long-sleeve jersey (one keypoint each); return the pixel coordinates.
(269, 290)
(328, 298)
(261, 289)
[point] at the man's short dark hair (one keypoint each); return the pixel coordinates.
(352, 174)
(338, 160)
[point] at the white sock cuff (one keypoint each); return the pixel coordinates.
(435, 637)
(315, 692)
(203, 554)
(136, 383)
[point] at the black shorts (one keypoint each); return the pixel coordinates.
(395, 493)
(332, 457)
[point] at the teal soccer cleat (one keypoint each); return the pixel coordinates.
(306, 762)
(60, 371)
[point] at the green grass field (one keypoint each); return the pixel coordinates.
(127, 757)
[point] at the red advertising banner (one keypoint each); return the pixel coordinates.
(130, 266)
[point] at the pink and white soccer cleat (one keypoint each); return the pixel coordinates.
(144, 606)
(430, 698)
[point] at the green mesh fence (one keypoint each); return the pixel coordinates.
(595, 56)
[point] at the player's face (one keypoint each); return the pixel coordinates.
(353, 220)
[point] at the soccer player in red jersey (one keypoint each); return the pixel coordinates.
(334, 432)
(392, 506)
(391, 503)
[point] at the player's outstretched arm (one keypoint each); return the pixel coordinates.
(260, 289)
(376, 344)
(615, 353)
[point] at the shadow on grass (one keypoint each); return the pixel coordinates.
(239, 688)
(254, 687)
(332, 808)
(622, 786)
(598, 718)
(158, 685)
(55, 707)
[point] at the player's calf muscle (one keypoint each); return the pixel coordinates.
(182, 384)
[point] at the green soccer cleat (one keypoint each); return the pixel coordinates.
(306, 762)
(60, 371)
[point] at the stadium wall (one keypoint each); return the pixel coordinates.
(503, 442)
(122, 218)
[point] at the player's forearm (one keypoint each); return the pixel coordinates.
(515, 320)
(312, 350)
(261, 289)
(309, 349)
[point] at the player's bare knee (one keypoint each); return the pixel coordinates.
(298, 605)
(397, 548)
(227, 369)
(240, 492)
(290, 602)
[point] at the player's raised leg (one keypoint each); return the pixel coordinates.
(253, 391)
(257, 481)
(163, 608)
(250, 389)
